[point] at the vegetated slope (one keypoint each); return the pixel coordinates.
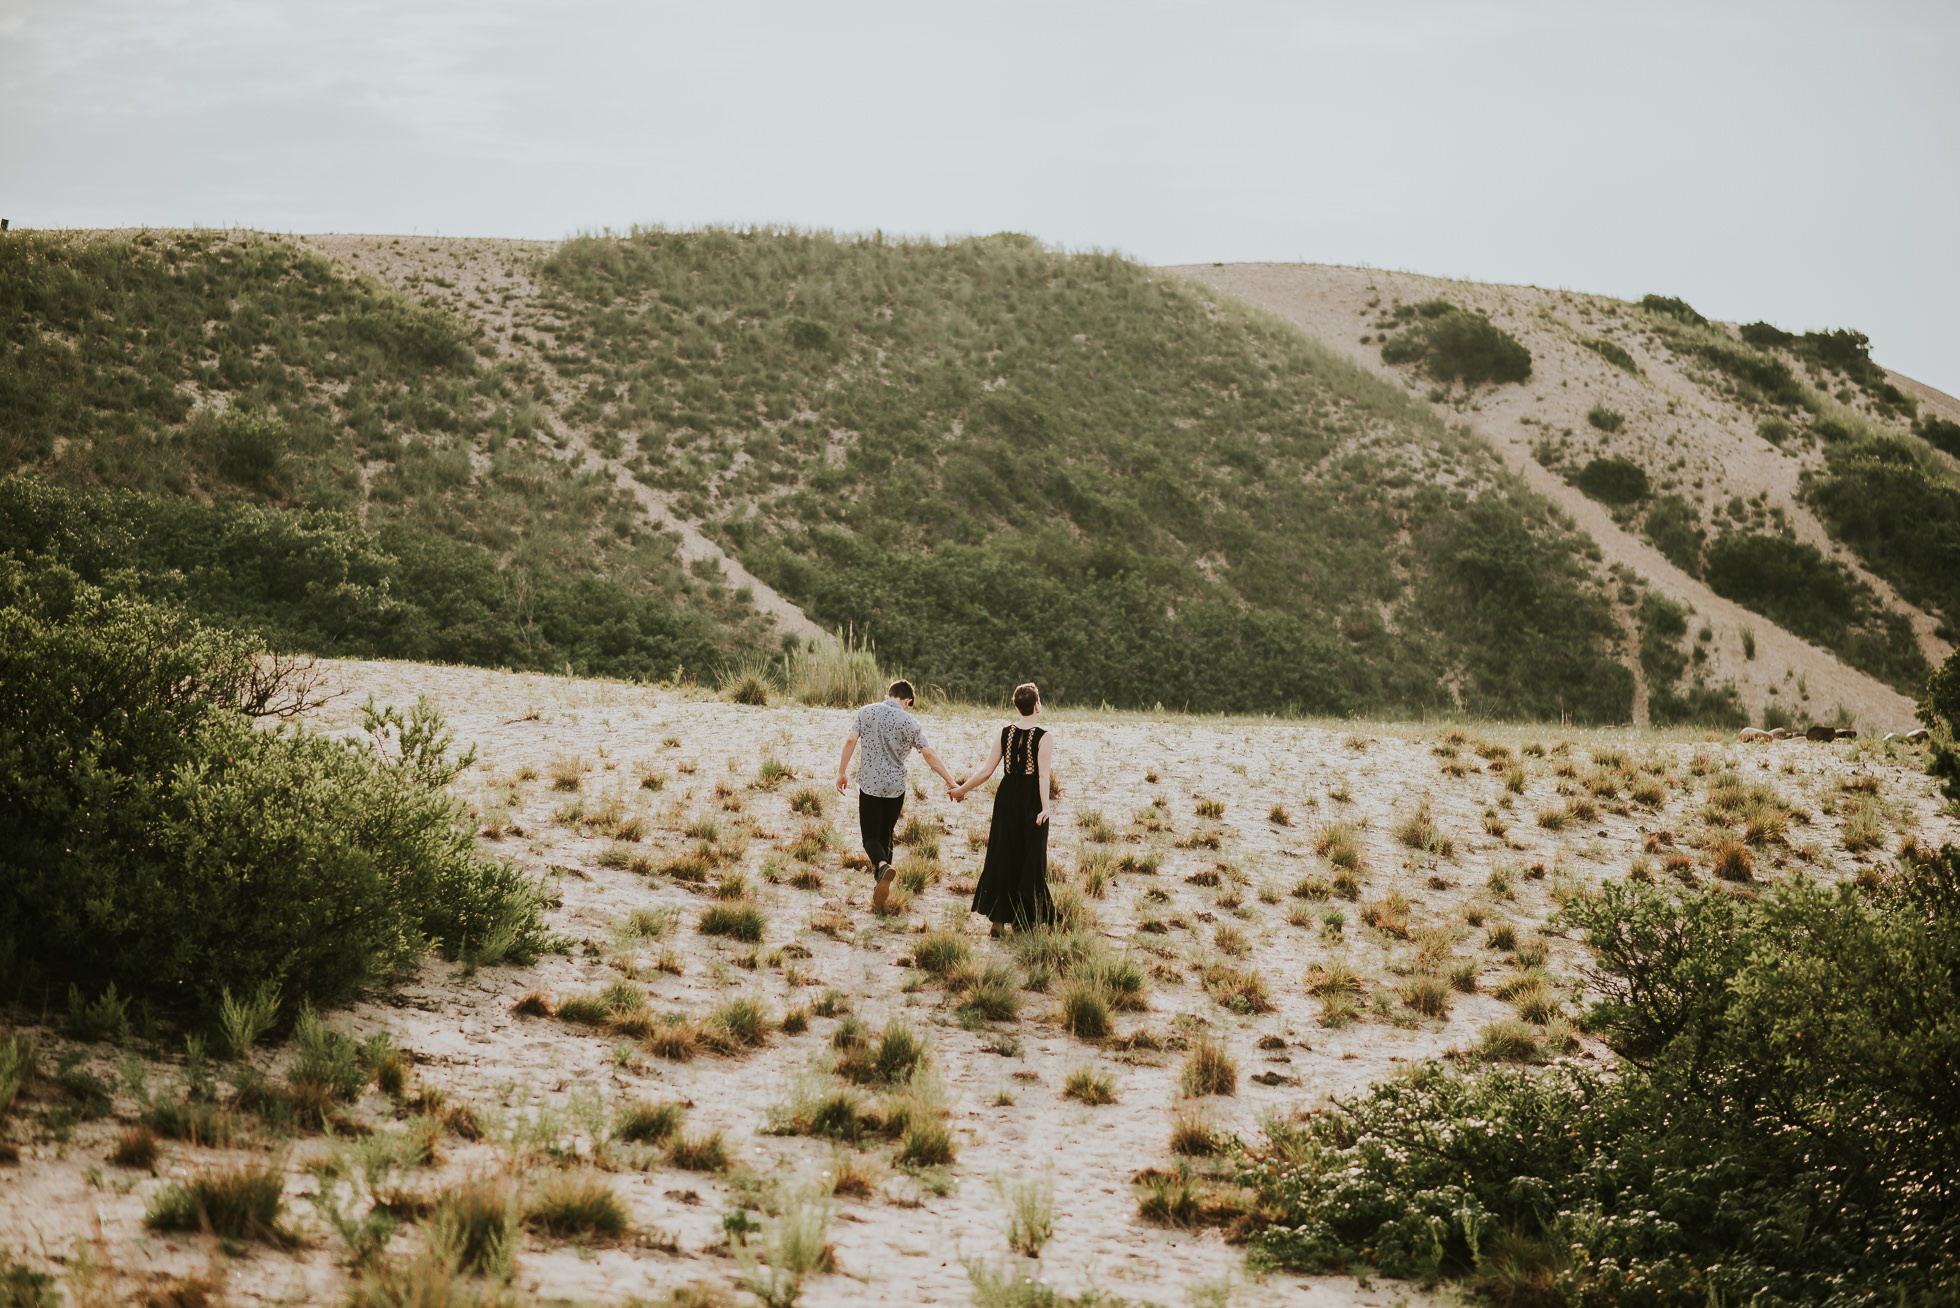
(1723, 478)
(279, 445)
(999, 461)
(1008, 463)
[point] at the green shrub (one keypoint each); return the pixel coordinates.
(19, 1060)
(251, 445)
(106, 1017)
(321, 582)
(327, 1059)
(1674, 526)
(1613, 354)
(1662, 625)
(1613, 481)
(242, 1021)
(1783, 1106)
(1670, 306)
(1941, 433)
(1941, 706)
(23, 1287)
(1453, 345)
(151, 837)
(1847, 351)
(1496, 580)
(1608, 420)
(1901, 518)
(1794, 585)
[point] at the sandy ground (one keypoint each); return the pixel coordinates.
(63, 1208)
(1669, 417)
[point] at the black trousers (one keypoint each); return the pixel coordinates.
(878, 818)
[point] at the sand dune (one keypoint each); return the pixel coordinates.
(904, 1242)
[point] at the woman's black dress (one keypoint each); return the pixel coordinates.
(1013, 886)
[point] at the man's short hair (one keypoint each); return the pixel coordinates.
(901, 689)
(1026, 696)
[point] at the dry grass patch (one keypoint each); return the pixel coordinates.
(136, 1147)
(242, 1203)
(1209, 1069)
(1194, 1132)
(1389, 914)
(1338, 843)
(1731, 861)
(738, 919)
(640, 1122)
(1091, 1086)
(1427, 995)
(1239, 989)
(708, 1153)
(570, 1204)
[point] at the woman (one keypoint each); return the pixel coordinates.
(1013, 887)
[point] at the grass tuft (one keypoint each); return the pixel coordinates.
(645, 1123)
(738, 919)
(1090, 1085)
(1208, 1070)
(242, 1202)
(576, 1205)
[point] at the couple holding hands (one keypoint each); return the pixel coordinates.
(1013, 887)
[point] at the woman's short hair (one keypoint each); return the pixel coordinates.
(1027, 696)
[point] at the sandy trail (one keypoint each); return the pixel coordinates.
(904, 1243)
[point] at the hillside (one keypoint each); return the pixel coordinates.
(886, 434)
(1741, 438)
(659, 454)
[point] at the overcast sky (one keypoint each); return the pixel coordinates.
(1798, 162)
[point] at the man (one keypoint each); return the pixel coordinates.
(888, 733)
